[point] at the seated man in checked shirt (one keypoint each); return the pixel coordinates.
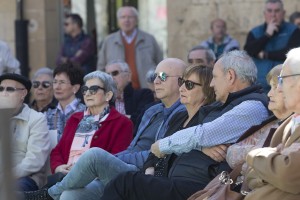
(241, 105)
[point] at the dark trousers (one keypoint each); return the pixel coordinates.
(27, 184)
(137, 186)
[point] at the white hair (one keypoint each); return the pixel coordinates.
(241, 63)
(134, 11)
(293, 60)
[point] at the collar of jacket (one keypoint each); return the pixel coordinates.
(78, 37)
(118, 39)
(251, 89)
(112, 115)
(24, 114)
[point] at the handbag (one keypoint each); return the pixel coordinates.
(221, 187)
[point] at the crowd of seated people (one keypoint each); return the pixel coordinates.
(113, 140)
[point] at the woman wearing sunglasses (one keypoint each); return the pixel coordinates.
(98, 126)
(194, 93)
(43, 90)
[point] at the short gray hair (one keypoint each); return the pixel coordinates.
(293, 60)
(275, 1)
(106, 79)
(42, 71)
(241, 63)
(134, 11)
(123, 65)
(210, 55)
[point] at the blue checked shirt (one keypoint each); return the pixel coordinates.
(57, 117)
(223, 130)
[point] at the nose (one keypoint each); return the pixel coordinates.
(156, 80)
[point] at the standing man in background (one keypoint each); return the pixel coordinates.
(269, 42)
(220, 41)
(78, 46)
(137, 48)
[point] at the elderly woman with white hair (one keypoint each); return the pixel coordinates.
(42, 83)
(100, 125)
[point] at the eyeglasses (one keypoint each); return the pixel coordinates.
(10, 89)
(44, 84)
(162, 76)
(114, 73)
(188, 84)
(280, 78)
(93, 89)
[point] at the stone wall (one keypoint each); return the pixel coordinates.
(189, 20)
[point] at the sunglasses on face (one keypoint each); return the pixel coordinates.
(93, 89)
(188, 84)
(162, 76)
(44, 84)
(10, 89)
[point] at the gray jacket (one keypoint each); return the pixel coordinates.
(147, 53)
(31, 145)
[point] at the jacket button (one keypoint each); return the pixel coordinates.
(96, 137)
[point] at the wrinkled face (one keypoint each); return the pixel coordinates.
(12, 94)
(63, 90)
(220, 83)
(120, 77)
(276, 103)
(99, 98)
(218, 29)
(274, 13)
(127, 20)
(167, 90)
(198, 57)
(42, 88)
(193, 97)
(291, 89)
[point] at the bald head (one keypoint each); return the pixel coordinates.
(166, 82)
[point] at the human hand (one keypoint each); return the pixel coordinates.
(149, 171)
(63, 168)
(261, 55)
(155, 150)
(272, 27)
(217, 153)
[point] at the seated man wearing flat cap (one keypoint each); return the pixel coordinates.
(29, 133)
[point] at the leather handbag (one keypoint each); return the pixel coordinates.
(221, 187)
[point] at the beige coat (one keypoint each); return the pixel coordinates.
(31, 145)
(147, 53)
(275, 173)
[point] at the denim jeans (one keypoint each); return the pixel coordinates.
(89, 175)
(27, 184)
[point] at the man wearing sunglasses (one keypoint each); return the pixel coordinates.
(43, 90)
(30, 139)
(240, 105)
(97, 163)
(132, 45)
(78, 47)
(130, 101)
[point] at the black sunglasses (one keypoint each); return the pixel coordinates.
(44, 84)
(114, 73)
(162, 76)
(93, 89)
(10, 89)
(188, 84)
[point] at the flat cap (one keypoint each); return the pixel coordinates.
(17, 77)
